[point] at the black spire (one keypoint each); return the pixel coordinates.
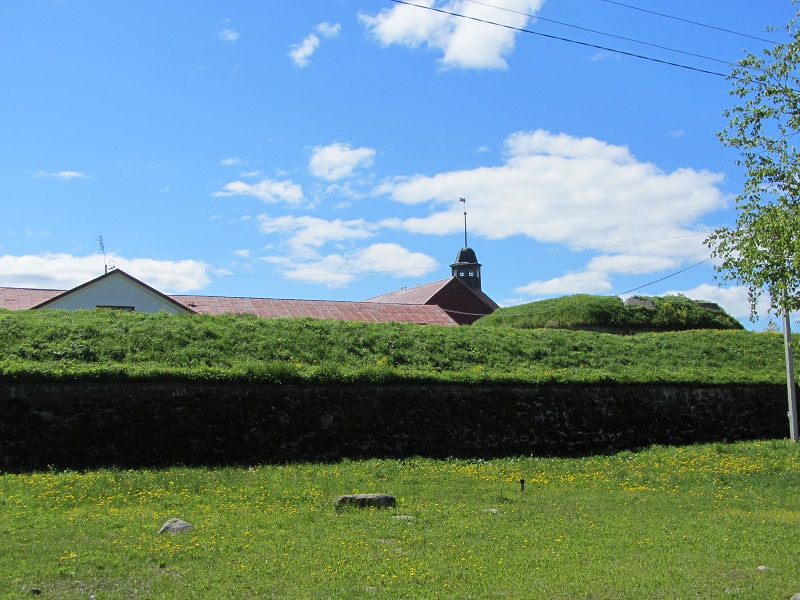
(467, 268)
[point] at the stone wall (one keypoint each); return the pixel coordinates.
(84, 425)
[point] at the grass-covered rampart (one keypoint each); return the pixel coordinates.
(610, 314)
(108, 345)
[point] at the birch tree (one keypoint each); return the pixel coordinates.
(762, 250)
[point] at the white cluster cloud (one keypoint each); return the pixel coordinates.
(267, 190)
(338, 269)
(306, 234)
(464, 42)
(65, 271)
(61, 175)
(586, 282)
(301, 53)
(228, 35)
(329, 30)
(169, 276)
(337, 161)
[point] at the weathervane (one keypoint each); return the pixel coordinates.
(464, 200)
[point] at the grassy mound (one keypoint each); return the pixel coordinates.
(110, 345)
(610, 314)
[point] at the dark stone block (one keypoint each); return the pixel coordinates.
(366, 501)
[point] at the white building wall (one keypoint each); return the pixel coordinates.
(115, 291)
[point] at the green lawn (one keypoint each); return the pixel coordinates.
(666, 522)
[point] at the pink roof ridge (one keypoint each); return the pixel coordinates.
(25, 298)
(419, 294)
(272, 308)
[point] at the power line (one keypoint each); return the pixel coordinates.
(663, 278)
(563, 39)
(652, 12)
(619, 37)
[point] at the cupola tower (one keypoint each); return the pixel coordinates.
(467, 268)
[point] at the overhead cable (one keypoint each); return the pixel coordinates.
(562, 39)
(663, 278)
(595, 31)
(652, 12)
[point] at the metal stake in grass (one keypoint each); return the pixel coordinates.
(790, 384)
(522, 485)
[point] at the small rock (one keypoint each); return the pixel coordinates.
(795, 597)
(366, 500)
(403, 517)
(174, 526)
(491, 511)
(763, 568)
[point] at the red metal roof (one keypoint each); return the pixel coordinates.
(463, 303)
(272, 308)
(420, 294)
(25, 298)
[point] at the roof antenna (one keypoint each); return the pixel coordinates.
(103, 250)
(464, 200)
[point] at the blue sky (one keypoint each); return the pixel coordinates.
(318, 149)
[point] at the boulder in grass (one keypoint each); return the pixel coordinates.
(366, 501)
(174, 526)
